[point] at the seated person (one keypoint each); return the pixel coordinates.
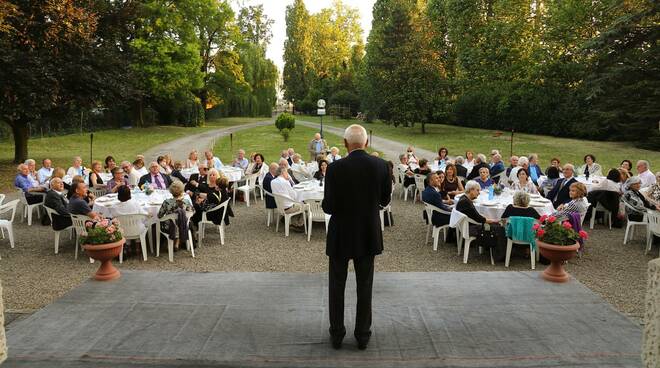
(560, 192)
(298, 168)
(578, 202)
(334, 154)
(484, 179)
(480, 162)
(180, 205)
(126, 205)
(282, 186)
(556, 163)
(56, 200)
(466, 207)
(270, 176)
(452, 184)
(197, 179)
(59, 172)
(520, 207)
(284, 165)
(323, 167)
(212, 161)
(78, 203)
(155, 178)
(77, 168)
(637, 204)
(513, 162)
(461, 167)
(550, 181)
(131, 174)
(590, 166)
(240, 162)
(23, 181)
(612, 182)
(423, 168)
(524, 183)
(192, 160)
(95, 180)
(164, 167)
(215, 192)
(46, 171)
(176, 172)
(535, 171)
(138, 165)
(117, 180)
(496, 165)
(409, 177)
(653, 192)
(627, 165)
(432, 196)
(110, 164)
(523, 163)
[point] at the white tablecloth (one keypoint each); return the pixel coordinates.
(151, 203)
(309, 190)
(106, 177)
(593, 180)
(232, 173)
(495, 208)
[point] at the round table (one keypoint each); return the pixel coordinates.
(232, 173)
(151, 203)
(309, 190)
(494, 209)
(593, 180)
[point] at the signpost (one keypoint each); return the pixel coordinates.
(321, 111)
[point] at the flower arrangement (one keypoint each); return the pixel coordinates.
(102, 232)
(550, 230)
(497, 190)
(148, 188)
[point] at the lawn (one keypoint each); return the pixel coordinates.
(123, 144)
(458, 139)
(268, 141)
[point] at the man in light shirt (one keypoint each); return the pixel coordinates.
(212, 161)
(132, 175)
(334, 155)
(45, 172)
(645, 174)
(281, 185)
(240, 161)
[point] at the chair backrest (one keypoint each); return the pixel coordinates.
(419, 181)
(222, 205)
(10, 207)
(79, 224)
(525, 223)
(132, 225)
(98, 192)
(21, 195)
(50, 213)
(279, 202)
(402, 174)
(429, 208)
(2, 198)
(654, 221)
(251, 180)
(315, 209)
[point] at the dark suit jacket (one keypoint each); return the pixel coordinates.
(475, 170)
(461, 171)
(57, 202)
(562, 195)
(466, 207)
(355, 189)
(270, 201)
(199, 181)
(177, 174)
(434, 198)
(147, 179)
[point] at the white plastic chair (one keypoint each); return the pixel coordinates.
(402, 177)
(170, 242)
(8, 224)
(501, 178)
(204, 221)
(80, 230)
(509, 247)
(315, 214)
(419, 185)
(464, 234)
(270, 212)
(631, 225)
(279, 200)
(98, 191)
(429, 208)
(133, 227)
(51, 212)
(653, 228)
(599, 208)
(29, 208)
(2, 198)
(247, 188)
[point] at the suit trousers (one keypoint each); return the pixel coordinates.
(364, 275)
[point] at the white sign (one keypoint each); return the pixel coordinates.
(321, 104)
(320, 112)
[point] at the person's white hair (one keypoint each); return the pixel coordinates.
(497, 156)
(471, 185)
(333, 149)
(522, 161)
(569, 166)
(520, 199)
(482, 158)
(356, 134)
(633, 180)
(645, 163)
(533, 156)
(20, 167)
(459, 160)
(30, 161)
(494, 152)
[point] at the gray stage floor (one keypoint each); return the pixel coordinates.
(454, 319)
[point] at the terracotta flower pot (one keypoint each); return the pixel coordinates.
(104, 253)
(557, 254)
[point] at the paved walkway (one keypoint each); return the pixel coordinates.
(180, 148)
(456, 319)
(390, 149)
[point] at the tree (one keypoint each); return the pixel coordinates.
(297, 52)
(255, 25)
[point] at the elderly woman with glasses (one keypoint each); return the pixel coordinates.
(578, 203)
(180, 205)
(637, 204)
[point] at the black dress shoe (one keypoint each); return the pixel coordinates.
(362, 343)
(337, 337)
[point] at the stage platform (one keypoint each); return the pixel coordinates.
(447, 319)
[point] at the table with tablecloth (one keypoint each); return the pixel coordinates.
(494, 209)
(150, 203)
(311, 189)
(233, 174)
(589, 183)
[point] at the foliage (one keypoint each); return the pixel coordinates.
(348, 102)
(102, 232)
(255, 26)
(551, 231)
(286, 132)
(285, 121)
(297, 52)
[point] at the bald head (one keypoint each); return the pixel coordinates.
(355, 137)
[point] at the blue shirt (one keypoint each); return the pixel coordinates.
(24, 182)
(243, 164)
(319, 146)
(484, 184)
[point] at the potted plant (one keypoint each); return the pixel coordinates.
(103, 243)
(557, 242)
(148, 188)
(497, 190)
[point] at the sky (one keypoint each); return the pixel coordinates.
(275, 9)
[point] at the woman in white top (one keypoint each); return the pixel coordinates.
(469, 160)
(413, 162)
(523, 183)
(77, 168)
(192, 160)
(590, 166)
(612, 183)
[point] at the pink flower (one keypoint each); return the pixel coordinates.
(110, 229)
(89, 224)
(583, 234)
(540, 233)
(536, 227)
(552, 219)
(567, 225)
(104, 222)
(543, 218)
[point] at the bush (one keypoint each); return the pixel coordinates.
(349, 102)
(286, 132)
(285, 121)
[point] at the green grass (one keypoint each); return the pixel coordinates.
(225, 122)
(459, 139)
(268, 141)
(122, 144)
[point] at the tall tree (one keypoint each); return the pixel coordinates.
(255, 25)
(297, 52)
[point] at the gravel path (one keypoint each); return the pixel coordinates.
(390, 149)
(33, 276)
(180, 148)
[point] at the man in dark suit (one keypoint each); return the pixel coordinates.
(479, 162)
(356, 187)
(159, 180)
(196, 180)
(268, 178)
(559, 193)
(460, 169)
(56, 200)
(432, 196)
